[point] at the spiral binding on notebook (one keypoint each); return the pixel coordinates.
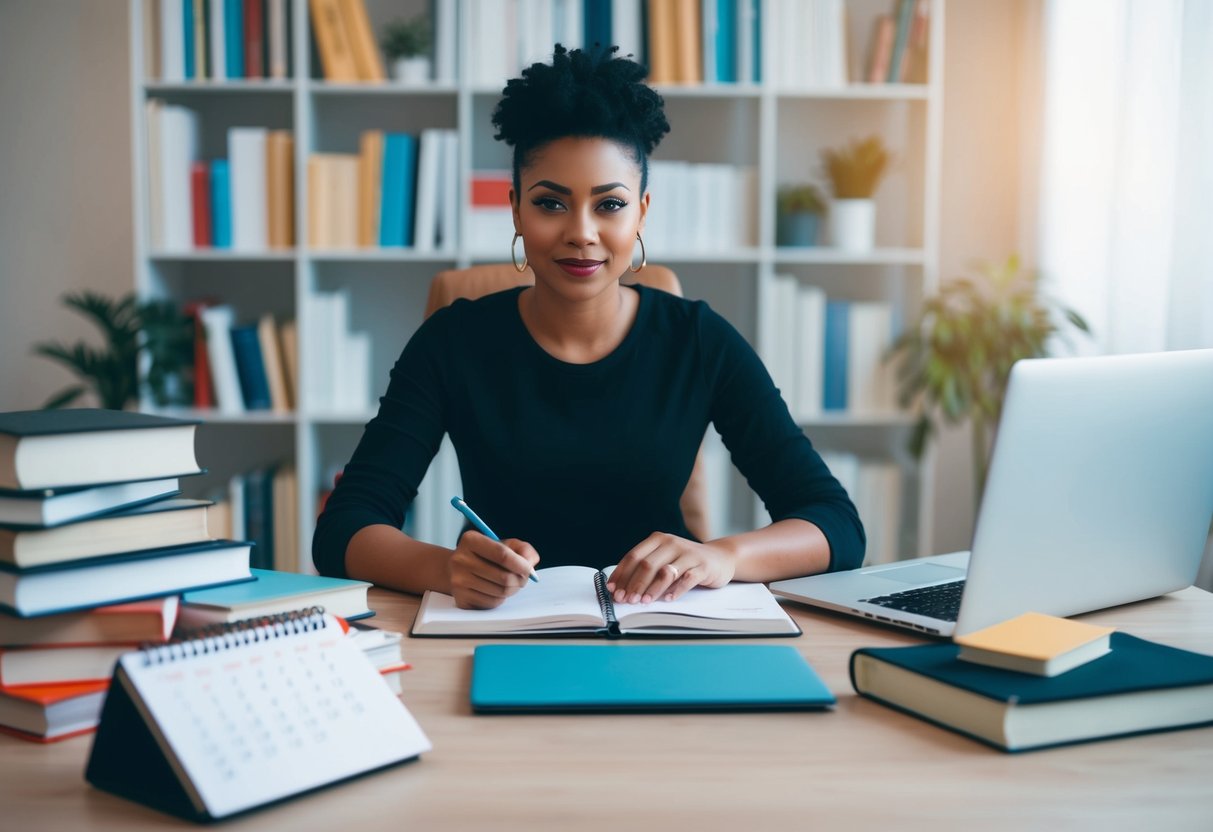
(215, 638)
(606, 604)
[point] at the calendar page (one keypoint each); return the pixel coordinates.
(254, 716)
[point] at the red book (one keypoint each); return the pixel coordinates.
(47, 713)
(203, 396)
(254, 25)
(200, 197)
(491, 190)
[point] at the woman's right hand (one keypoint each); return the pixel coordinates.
(484, 572)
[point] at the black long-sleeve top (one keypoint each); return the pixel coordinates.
(583, 461)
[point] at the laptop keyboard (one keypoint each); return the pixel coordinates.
(941, 601)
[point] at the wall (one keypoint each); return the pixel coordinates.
(65, 174)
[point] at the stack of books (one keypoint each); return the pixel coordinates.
(90, 519)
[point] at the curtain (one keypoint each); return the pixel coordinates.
(1126, 214)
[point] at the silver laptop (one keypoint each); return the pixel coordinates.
(1100, 492)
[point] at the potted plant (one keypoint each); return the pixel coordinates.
(854, 171)
(406, 44)
(954, 363)
(111, 371)
(798, 215)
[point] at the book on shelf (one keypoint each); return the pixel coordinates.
(218, 321)
(333, 41)
(273, 592)
(250, 367)
(173, 143)
(41, 449)
(1043, 645)
(333, 208)
(367, 60)
(134, 623)
(49, 713)
(898, 59)
(59, 664)
(165, 740)
(370, 186)
(810, 43)
(279, 37)
(339, 360)
(490, 223)
(233, 31)
(880, 51)
(272, 359)
(113, 579)
(574, 600)
(217, 40)
(285, 519)
(398, 189)
(280, 188)
(149, 525)
(48, 507)
(254, 30)
(1137, 688)
(221, 204)
(246, 153)
(200, 203)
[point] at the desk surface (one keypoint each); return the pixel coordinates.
(863, 765)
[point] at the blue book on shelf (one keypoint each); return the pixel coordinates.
(233, 23)
(399, 178)
(757, 50)
(596, 22)
(726, 41)
(838, 313)
(634, 677)
(221, 204)
(187, 23)
(250, 367)
(905, 18)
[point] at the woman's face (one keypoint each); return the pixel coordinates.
(579, 212)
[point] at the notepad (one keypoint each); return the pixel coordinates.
(517, 678)
(575, 600)
(245, 715)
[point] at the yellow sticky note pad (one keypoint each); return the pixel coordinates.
(1035, 643)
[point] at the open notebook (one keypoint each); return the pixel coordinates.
(574, 600)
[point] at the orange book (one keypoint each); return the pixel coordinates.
(319, 233)
(362, 41)
(280, 188)
(49, 713)
(333, 41)
(370, 181)
(290, 360)
(662, 40)
(139, 621)
(491, 190)
(689, 53)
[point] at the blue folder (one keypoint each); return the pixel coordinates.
(521, 678)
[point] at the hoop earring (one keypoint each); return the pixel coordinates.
(644, 257)
(514, 256)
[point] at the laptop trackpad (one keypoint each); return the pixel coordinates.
(919, 573)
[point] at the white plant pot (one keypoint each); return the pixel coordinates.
(413, 72)
(853, 224)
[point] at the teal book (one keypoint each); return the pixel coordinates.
(523, 678)
(271, 593)
(221, 204)
(1138, 687)
(396, 193)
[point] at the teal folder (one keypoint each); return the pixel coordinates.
(521, 678)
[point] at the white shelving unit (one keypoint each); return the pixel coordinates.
(777, 132)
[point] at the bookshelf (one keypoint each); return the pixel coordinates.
(775, 131)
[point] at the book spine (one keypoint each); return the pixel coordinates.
(221, 204)
(835, 375)
(254, 60)
(905, 12)
(233, 35)
(250, 368)
(218, 40)
(200, 197)
(606, 605)
(187, 31)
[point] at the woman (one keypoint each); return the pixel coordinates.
(577, 406)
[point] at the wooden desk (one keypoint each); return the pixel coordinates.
(862, 766)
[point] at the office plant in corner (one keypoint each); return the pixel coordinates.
(955, 361)
(111, 371)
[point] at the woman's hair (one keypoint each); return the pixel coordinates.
(587, 93)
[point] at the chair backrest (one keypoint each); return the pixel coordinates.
(477, 281)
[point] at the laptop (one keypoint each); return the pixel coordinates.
(1099, 492)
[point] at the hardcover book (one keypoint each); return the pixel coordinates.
(1137, 688)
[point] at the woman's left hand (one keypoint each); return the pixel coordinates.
(664, 566)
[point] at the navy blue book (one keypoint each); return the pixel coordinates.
(250, 367)
(521, 678)
(1138, 687)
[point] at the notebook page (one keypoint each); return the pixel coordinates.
(564, 596)
(264, 720)
(732, 602)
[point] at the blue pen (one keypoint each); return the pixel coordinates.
(482, 527)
